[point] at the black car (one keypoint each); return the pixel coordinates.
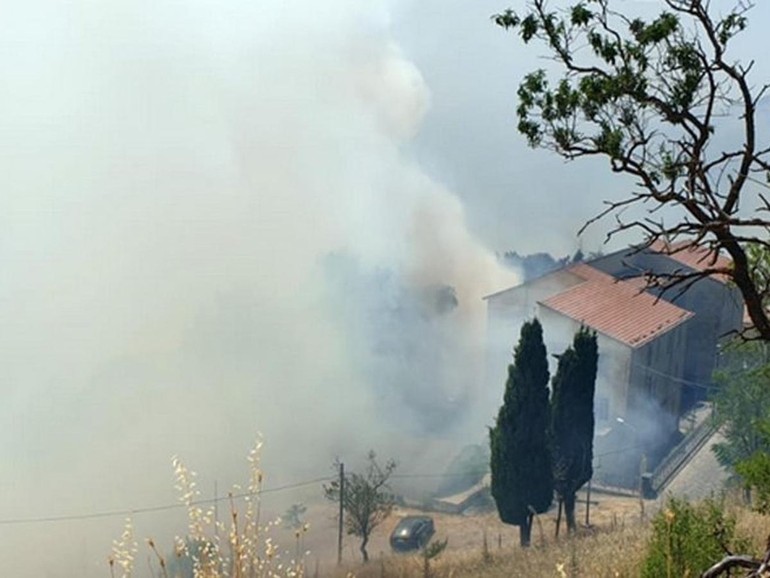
(412, 533)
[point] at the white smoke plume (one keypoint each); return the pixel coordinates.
(174, 176)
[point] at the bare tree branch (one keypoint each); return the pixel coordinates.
(727, 563)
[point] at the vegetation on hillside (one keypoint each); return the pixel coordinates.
(239, 547)
(742, 401)
(688, 539)
(366, 498)
(681, 540)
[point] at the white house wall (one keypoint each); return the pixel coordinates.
(613, 369)
(508, 310)
(506, 313)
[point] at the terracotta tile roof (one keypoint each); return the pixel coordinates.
(590, 273)
(694, 257)
(616, 308)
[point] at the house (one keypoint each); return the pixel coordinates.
(716, 304)
(656, 350)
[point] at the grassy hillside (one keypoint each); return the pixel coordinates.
(610, 553)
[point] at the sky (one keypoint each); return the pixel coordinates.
(176, 178)
(512, 194)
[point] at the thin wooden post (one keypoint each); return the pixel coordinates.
(342, 513)
(588, 503)
(216, 510)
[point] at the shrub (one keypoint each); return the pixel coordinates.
(687, 539)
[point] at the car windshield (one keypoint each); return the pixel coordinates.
(408, 525)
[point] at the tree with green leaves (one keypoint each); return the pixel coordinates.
(366, 498)
(686, 538)
(520, 461)
(742, 402)
(572, 420)
(755, 473)
(653, 96)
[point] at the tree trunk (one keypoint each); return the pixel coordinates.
(558, 516)
(569, 512)
(362, 548)
(525, 531)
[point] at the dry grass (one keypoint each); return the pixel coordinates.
(616, 550)
(242, 547)
(603, 554)
(480, 546)
(751, 525)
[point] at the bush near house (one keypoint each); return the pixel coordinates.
(687, 539)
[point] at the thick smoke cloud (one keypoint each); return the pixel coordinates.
(175, 177)
(411, 346)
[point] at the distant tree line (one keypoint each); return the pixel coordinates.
(536, 265)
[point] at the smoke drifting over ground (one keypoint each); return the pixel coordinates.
(175, 177)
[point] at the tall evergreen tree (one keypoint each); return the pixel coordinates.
(572, 419)
(520, 461)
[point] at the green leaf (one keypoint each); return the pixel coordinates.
(529, 27)
(580, 15)
(507, 19)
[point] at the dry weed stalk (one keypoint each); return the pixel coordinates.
(124, 552)
(252, 553)
(160, 558)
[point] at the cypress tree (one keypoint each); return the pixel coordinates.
(572, 420)
(520, 461)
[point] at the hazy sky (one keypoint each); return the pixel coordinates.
(175, 174)
(515, 197)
